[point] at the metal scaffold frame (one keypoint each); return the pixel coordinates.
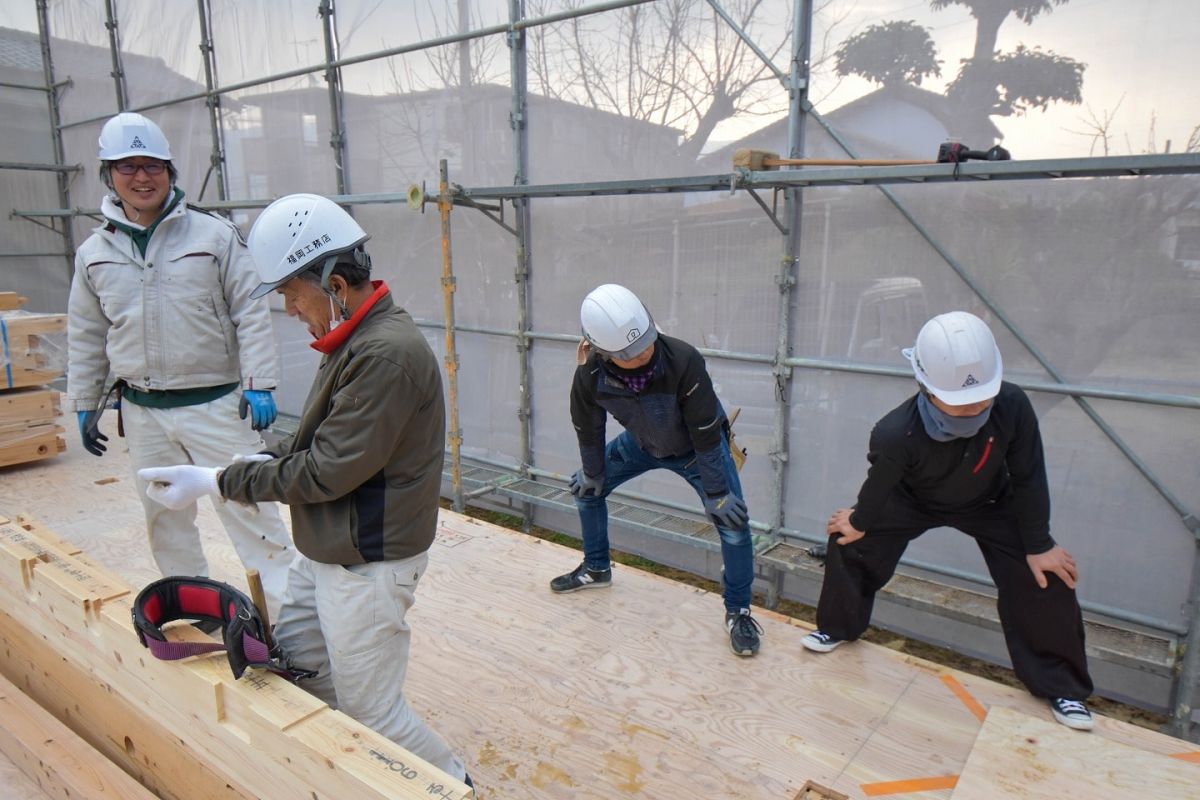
(786, 184)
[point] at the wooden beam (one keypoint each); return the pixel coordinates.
(61, 763)
(31, 443)
(124, 732)
(25, 360)
(264, 735)
(29, 406)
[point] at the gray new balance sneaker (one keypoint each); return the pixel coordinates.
(581, 578)
(744, 632)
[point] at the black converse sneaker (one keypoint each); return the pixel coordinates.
(820, 642)
(581, 578)
(1072, 713)
(744, 632)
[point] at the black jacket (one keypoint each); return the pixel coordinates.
(363, 473)
(1002, 462)
(676, 414)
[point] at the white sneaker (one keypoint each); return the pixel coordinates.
(1072, 713)
(820, 642)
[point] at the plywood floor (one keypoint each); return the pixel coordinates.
(1039, 760)
(624, 692)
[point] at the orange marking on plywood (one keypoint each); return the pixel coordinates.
(967, 700)
(911, 785)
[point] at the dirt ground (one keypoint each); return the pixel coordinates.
(938, 655)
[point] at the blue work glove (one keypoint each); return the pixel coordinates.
(261, 406)
(584, 485)
(727, 511)
(91, 435)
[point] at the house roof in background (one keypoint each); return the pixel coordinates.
(22, 51)
(484, 90)
(938, 106)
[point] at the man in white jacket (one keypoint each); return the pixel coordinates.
(160, 300)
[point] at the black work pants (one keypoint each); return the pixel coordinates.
(1043, 628)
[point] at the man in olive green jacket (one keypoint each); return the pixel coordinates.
(362, 475)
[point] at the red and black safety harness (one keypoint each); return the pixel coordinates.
(244, 634)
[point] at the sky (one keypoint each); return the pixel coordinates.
(1142, 60)
(1142, 56)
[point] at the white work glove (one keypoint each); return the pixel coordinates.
(179, 487)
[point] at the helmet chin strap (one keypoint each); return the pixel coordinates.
(326, 271)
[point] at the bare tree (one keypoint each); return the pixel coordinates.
(1099, 128)
(674, 63)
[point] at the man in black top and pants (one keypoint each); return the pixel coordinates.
(964, 452)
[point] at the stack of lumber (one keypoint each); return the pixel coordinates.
(31, 347)
(185, 730)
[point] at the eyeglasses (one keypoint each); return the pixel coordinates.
(151, 169)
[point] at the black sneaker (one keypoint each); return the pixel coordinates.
(581, 578)
(1072, 713)
(820, 642)
(744, 632)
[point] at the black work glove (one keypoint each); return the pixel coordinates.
(584, 485)
(90, 434)
(727, 511)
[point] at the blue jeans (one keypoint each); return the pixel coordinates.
(624, 461)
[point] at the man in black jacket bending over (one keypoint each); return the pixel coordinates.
(964, 452)
(658, 388)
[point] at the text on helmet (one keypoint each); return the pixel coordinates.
(311, 247)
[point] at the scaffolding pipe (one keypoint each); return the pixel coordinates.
(786, 282)
(63, 183)
(453, 432)
(518, 68)
(1046, 169)
(20, 165)
(7, 85)
(1183, 688)
(333, 78)
(835, 365)
(416, 47)
(114, 47)
(212, 101)
(34, 255)
(1111, 612)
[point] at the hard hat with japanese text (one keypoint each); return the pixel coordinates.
(296, 233)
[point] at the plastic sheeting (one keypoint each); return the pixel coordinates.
(1101, 276)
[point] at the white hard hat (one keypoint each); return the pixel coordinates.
(616, 323)
(128, 134)
(296, 233)
(956, 359)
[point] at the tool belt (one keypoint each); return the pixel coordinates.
(739, 453)
(244, 635)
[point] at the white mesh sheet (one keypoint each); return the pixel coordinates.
(1101, 277)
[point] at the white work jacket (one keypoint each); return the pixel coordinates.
(179, 317)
